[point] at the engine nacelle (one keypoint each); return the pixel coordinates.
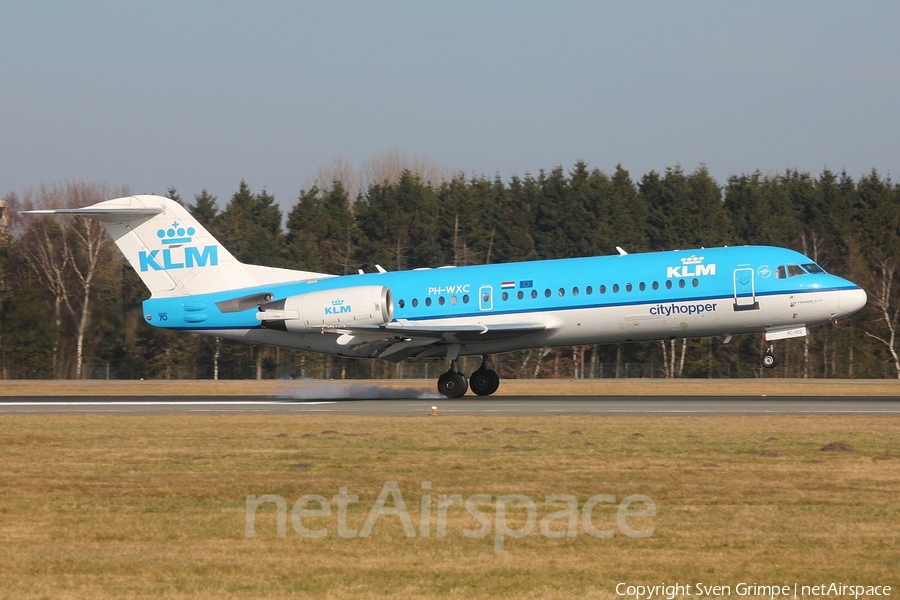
(362, 305)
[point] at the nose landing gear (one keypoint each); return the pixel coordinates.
(769, 360)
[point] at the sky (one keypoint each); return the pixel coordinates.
(200, 94)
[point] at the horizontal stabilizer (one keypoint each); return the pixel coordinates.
(101, 214)
(171, 251)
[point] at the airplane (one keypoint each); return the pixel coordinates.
(196, 285)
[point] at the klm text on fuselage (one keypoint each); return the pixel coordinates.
(690, 271)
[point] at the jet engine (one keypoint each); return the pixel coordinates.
(362, 305)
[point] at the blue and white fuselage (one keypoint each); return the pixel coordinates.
(197, 285)
(598, 300)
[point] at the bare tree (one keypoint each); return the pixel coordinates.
(338, 170)
(4, 287)
(67, 255)
(216, 353)
(881, 291)
(44, 255)
(342, 254)
(86, 255)
(383, 168)
(670, 356)
(389, 166)
(811, 243)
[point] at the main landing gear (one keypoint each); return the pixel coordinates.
(769, 360)
(453, 384)
(484, 381)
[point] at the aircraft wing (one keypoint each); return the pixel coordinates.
(398, 341)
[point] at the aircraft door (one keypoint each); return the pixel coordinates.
(744, 290)
(486, 297)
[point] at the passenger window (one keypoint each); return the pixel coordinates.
(533, 294)
(615, 288)
(695, 282)
(466, 299)
(574, 291)
(441, 300)
(547, 293)
(668, 284)
(504, 296)
(415, 302)
(562, 291)
(401, 303)
(655, 285)
(602, 289)
(681, 283)
(588, 290)
(628, 287)
(520, 295)
(452, 299)
(643, 286)
(427, 301)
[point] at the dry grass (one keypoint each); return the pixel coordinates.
(508, 387)
(107, 506)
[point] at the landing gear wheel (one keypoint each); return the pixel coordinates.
(453, 385)
(769, 360)
(484, 382)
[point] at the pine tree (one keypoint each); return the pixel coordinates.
(320, 231)
(172, 194)
(628, 214)
(250, 226)
(515, 230)
(205, 209)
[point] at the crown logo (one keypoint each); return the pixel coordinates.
(176, 234)
(692, 260)
(337, 302)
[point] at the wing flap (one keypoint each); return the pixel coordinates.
(398, 341)
(458, 334)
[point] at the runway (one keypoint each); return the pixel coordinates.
(508, 405)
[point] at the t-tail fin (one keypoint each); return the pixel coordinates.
(173, 254)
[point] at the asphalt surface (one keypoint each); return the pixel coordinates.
(508, 405)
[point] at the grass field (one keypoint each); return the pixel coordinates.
(105, 506)
(508, 387)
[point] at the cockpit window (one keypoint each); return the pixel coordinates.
(785, 271)
(813, 268)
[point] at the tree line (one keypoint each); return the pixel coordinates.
(70, 306)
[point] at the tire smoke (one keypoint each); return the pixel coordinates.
(311, 389)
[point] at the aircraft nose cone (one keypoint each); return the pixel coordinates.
(851, 301)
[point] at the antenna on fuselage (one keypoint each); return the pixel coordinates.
(620, 251)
